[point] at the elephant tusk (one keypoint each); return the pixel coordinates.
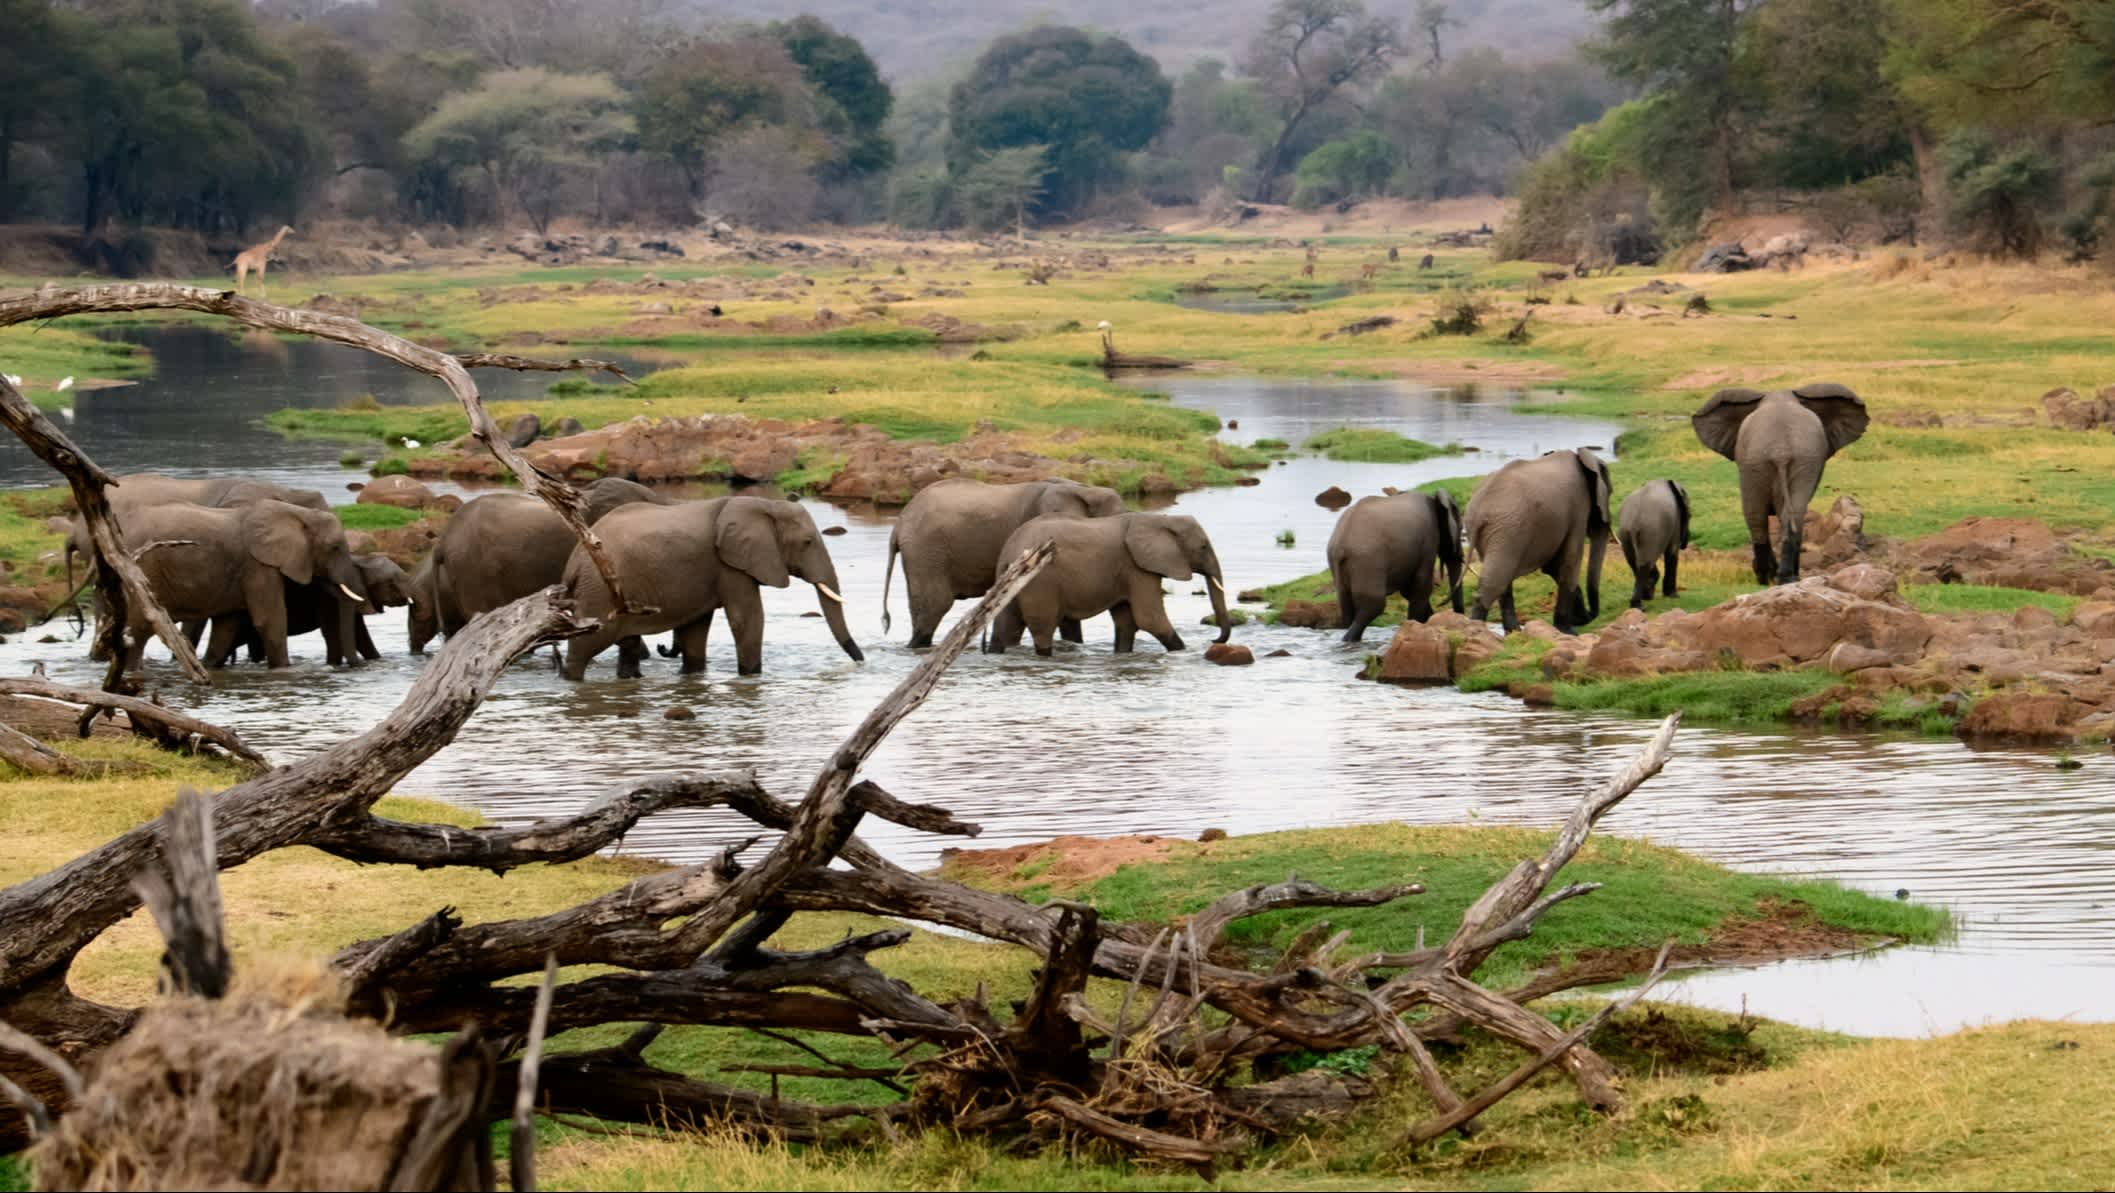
(827, 591)
(351, 595)
(1214, 582)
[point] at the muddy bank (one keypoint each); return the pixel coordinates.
(832, 458)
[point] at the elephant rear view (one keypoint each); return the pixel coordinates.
(1537, 515)
(686, 561)
(1780, 440)
(1108, 565)
(951, 532)
(1394, 544)
(1653, 529)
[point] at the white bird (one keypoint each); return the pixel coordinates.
(14, 379)
(66, 412)
(1102, 326)
(65, 383)
(411, 443)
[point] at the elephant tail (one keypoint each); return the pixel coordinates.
(888, 572)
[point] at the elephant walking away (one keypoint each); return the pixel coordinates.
(951, 532)
(500, 548)
(1653, 529)
(687, 561)
(1537, 515)
(1780, 440)
(1394, 544)
(203, 563)
(1108, 565)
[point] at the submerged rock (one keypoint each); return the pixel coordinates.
(1229, 654)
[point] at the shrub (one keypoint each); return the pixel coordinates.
(1998, 194)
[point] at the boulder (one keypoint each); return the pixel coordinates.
(1311, 615)
(1229, 654)
(523, 430)
(1418, 654)
(399, 491)
(1332, 498)
(566, 426)
(1868, 581)
(2095, 617)
(1723, 258)
(2021, 717)
(762, 459)
(1847, 657)
(2070, 412)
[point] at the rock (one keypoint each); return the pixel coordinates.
(1212, 834)
(399, 491)
(447, 503)
(1280, 653)
(1867, 581)
(2032, 617)
(833, 531)
(1247, 482)
(679, 712)
(1332, 498)
(1233, 424)
(2019, 716)
(2006, 552)
(762, 459)
(1847, 657)
(566, 426)
(2070, 412)
(1540, 695)
(523, 430)
(1418, 654)
(1311, 615)
(1229, 654)
(1723, 258)
(2095, 617)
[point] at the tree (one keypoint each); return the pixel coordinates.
(1086, 100)
(1004, 186)
(1215, 123)
(527, 131)
(1827, 114)
(2005, 62)
(1999, 193)
(1431, 21)
(847, 81)
(1688, 51)
(710, 90)
(1308, 52)
(32, 99)
(1357, 165)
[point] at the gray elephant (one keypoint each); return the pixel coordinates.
(1780, 440)
(218, 492)
(203, 563)
(500, 548)
(1653, 528)
(951, 532)
(1394, 544)
(688, 560)
(1537, 515)
(319, 605)
(1108, 565)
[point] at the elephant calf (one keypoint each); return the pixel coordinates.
(319, 605)
(1108, 565)
(951, 532)
(688, 560)
(1536, 515)
(1653, 527)
(1780, 441)
(1394, 544)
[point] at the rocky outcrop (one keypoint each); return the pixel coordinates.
(2070, 412)
(399, 491)
(1436, 651)
(2007, 552)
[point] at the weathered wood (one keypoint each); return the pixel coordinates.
(530, 364)
(395, 952)
(617, 1085)
(158, 718)
(1045, 1038)
(1158, 1144)
(21, 305)
(451, 1148)
(1212, 923)
(29, 754)
(521, 1141)
(180, 886)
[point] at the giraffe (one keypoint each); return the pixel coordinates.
(255, 256)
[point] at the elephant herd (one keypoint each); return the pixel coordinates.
(261, 563)
(1552, 515)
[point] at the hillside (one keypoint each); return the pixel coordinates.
(912, 39)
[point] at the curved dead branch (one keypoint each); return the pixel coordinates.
(147, 717)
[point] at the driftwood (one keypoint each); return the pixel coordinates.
(147, 718)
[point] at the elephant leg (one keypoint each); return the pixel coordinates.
(1641, 584)
(195, 629)
(631, 652)
(745, 620)
(1152, 617)
(1044, 634)
(1126, 628)
(930, 598)
(690, 643)
(1069, 630)
(1788, 557)
(1765, 564)
(1757, 492)
(1358, 611)
(1674, 555)
(1507, 616)
(266, 595)
(1419, 592)
(580, 651)
(364, 642)
(1005, 629)
(227, 635)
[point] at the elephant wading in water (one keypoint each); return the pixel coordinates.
(500, 548)
(319, 605)
(686, 561)
(1394, 544)
(1108, 565)
(229, 563)
(1536, 515)
(1780, 440)
(951, 532)
(1653, 528)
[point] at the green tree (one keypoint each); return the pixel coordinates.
(32, 102)
(1688, 52)
(1999, 193)
(527, 132)
(846, 79)
(1357, 165)
(2005, 62)
(1002, 187)
(1827, 114)
(1086, 100)
(1308, 53)
(710, 90)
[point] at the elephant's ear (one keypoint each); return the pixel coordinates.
(746, 536)
(1446, 518)
(1156, 547)
(1681, 508)
(1718, 421)
(1600, 490)
(1063, 501)
(278, 539)
(1842, 412)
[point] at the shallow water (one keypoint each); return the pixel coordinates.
(1089, 742)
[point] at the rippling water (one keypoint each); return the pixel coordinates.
(1089, 742)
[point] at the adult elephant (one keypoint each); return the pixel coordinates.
(1653, 529)
(1780, 440)
(1108, 565)
(686, 561)
(217, 492)
(1537, 515)
(1394, 544)
(951, 532)
(204, 563)
(500, 548)
(319, 605)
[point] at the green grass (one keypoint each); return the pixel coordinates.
(375, 517)
(1977, 598)
(1365, 445)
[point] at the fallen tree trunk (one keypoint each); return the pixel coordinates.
(148, 718)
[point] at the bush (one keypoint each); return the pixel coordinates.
(1998, 194)
(1460, 314)
(1357, 165)
(1584, 201)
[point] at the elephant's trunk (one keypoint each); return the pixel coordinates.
(1219, 613)
(833, 611)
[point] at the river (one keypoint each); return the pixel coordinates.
(1092, 743)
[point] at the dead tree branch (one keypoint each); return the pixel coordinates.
(146, 716)
(22, 750)
(530, 364)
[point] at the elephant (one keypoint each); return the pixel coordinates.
(1108, 565)
(203, 563)
(500, 548)
(1393, 544)
(1780, 440)
(1538, 514)
(318, 605)
(950, 534)
(217, 492)
(685, 561)
(1653, 527)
